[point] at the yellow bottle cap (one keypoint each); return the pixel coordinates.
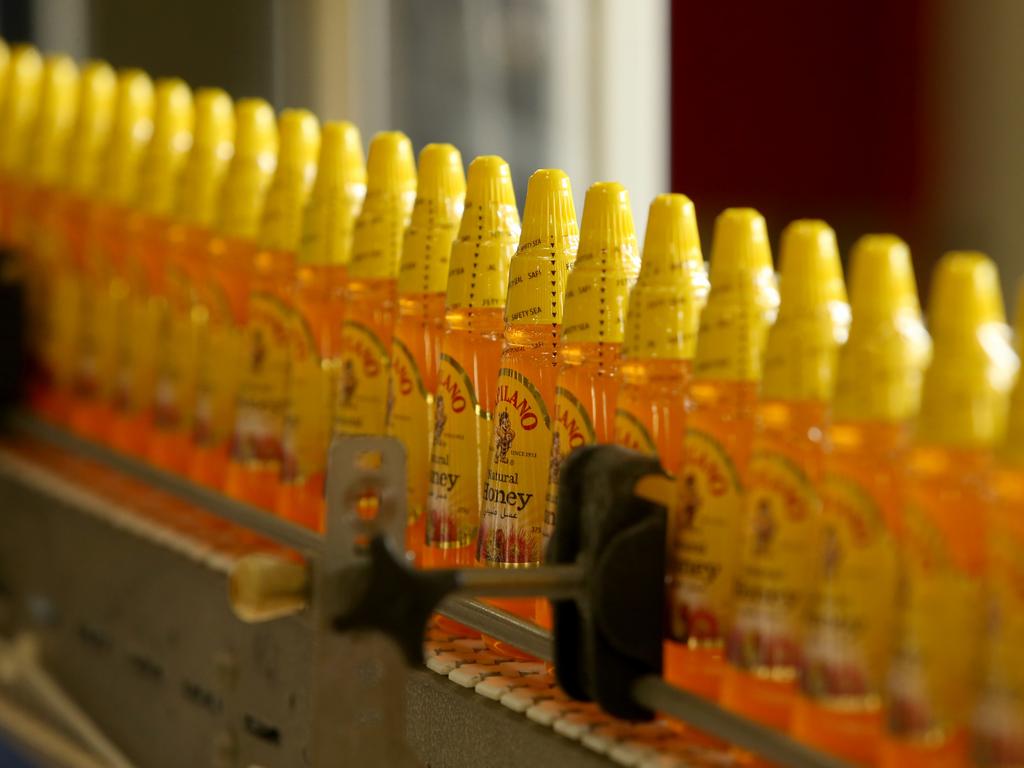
(337, 197)
(132, 129)
(742, 302)
(207, 163)
(606, 268)
(881, 366)
(390, 195)
(168, 148)
(547, 249)
(5, 60)
(250, 171)
(281, 225)
(1018, 319)
(488, 235)
(664, 307)
(58, 104)
(1013, 448)
(20, 106)
(966, 388)
(440, 199)
(97, 99)
(800, 354)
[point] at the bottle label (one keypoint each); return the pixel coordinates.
(850, 620)
(705, 530)
(941, 609)
(362, 397)
(307, 431)
(263, 395)
(535, 288)
(221, 356)
(461, 436)
(1000, 715)
(596, 301)
(662, 323)
(573, 428)
(410, 418)
(517, 478)
(177, 368)
(730, 342)
(631, 432)
(779, 527)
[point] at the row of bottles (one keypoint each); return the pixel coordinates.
(218, 290)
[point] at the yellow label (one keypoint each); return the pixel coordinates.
(426, 252)
(779, 530)
(461, 438)
(595, 306)
(362, 398)
(730, 341)
(263, 394)
(999, 724)
(573, 428)
(177, 368)
(850, 621)
(409, 419)
(478, 273)
(662, 323)
(941, 614)
(704, 547)
(307, 428)
(517, 479)
(221, 355)
(535, 288)
(631, 432)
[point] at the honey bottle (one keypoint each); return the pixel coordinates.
(703, 550)
(415, 348)
(468, 364)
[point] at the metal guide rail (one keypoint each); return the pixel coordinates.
(307, 668)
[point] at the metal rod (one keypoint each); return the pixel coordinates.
(524, 635)
(552, 581)
(654, 693)
(253, 518)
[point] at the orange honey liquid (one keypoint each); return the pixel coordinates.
(174, 385)
(103, 315)
(531, 353)
(999, 720)
(473, 341)
(786, 466)
(320, 309)
(419, 327)
(946, 514)
(70, 216)
(222, 295)
(256, 451)
(652, 406)
(586, 392)
(847, 644)
(371, 307)
(724, 411)
(43, 273)
(135, 379)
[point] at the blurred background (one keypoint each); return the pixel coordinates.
(875, 115)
